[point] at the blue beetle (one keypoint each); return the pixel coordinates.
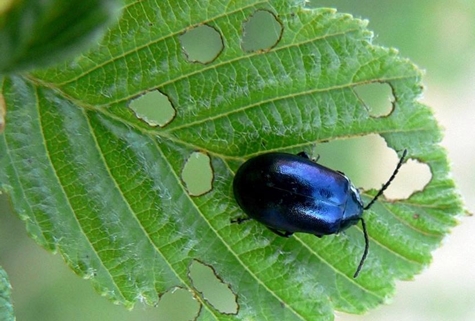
(291, 193)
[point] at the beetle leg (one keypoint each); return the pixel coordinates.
(240, 219)
(305, 155)
(283, 234)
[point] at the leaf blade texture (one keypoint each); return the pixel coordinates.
(103, 188)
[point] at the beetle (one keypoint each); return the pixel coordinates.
(291, 193)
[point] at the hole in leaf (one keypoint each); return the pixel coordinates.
(202, 44)
(261, 32)
(368, 163)
(412, 177)
(213, 289)
(154, 108)
(377, 97)
(179, 305)
(198, 174)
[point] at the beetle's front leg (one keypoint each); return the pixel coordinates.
(305, 155)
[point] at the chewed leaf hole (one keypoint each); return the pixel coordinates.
(412, 177)
(368, 163)
(217, 293)
(197, 174)
(377, 97)
(178, 305)
(202, 44)
(154, 108)
(262, 31)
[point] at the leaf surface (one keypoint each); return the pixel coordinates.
(6, 307)
(104, 188)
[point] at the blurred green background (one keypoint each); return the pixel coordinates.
(437, 35)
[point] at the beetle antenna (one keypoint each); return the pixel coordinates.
(386, 185)
(366, 249)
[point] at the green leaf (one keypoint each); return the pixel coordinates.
(105, 189)
(39, 33)
(6, 307)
